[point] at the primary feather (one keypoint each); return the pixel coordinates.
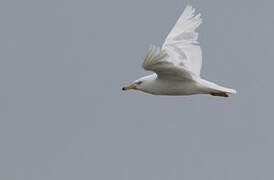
(179, 56)
(181, 42)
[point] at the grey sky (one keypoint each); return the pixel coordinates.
(64, 116)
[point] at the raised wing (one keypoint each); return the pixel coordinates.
(181, 42)
(156, 60)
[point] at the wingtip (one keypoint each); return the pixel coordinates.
(190, 13)
(190, 8)
(233, 91)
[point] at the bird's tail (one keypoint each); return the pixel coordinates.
(217, 90)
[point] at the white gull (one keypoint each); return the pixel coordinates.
(177, 64)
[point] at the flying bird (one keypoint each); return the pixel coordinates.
(177, 64)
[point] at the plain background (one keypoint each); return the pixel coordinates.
(63, 114)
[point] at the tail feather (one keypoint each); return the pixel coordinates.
(215, 88)
(224, 89)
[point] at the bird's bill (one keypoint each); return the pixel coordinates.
(132, 86)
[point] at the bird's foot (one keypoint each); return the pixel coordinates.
(219, 94)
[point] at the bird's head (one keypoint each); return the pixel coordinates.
(142, 84)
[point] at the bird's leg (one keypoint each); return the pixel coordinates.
(222, 94)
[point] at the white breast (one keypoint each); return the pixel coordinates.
(173, 87)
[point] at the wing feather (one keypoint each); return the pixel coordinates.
(181, 42)
(156, 60)
(180, 57)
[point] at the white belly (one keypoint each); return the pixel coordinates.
(164, 87)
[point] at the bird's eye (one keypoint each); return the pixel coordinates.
(140, 82)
